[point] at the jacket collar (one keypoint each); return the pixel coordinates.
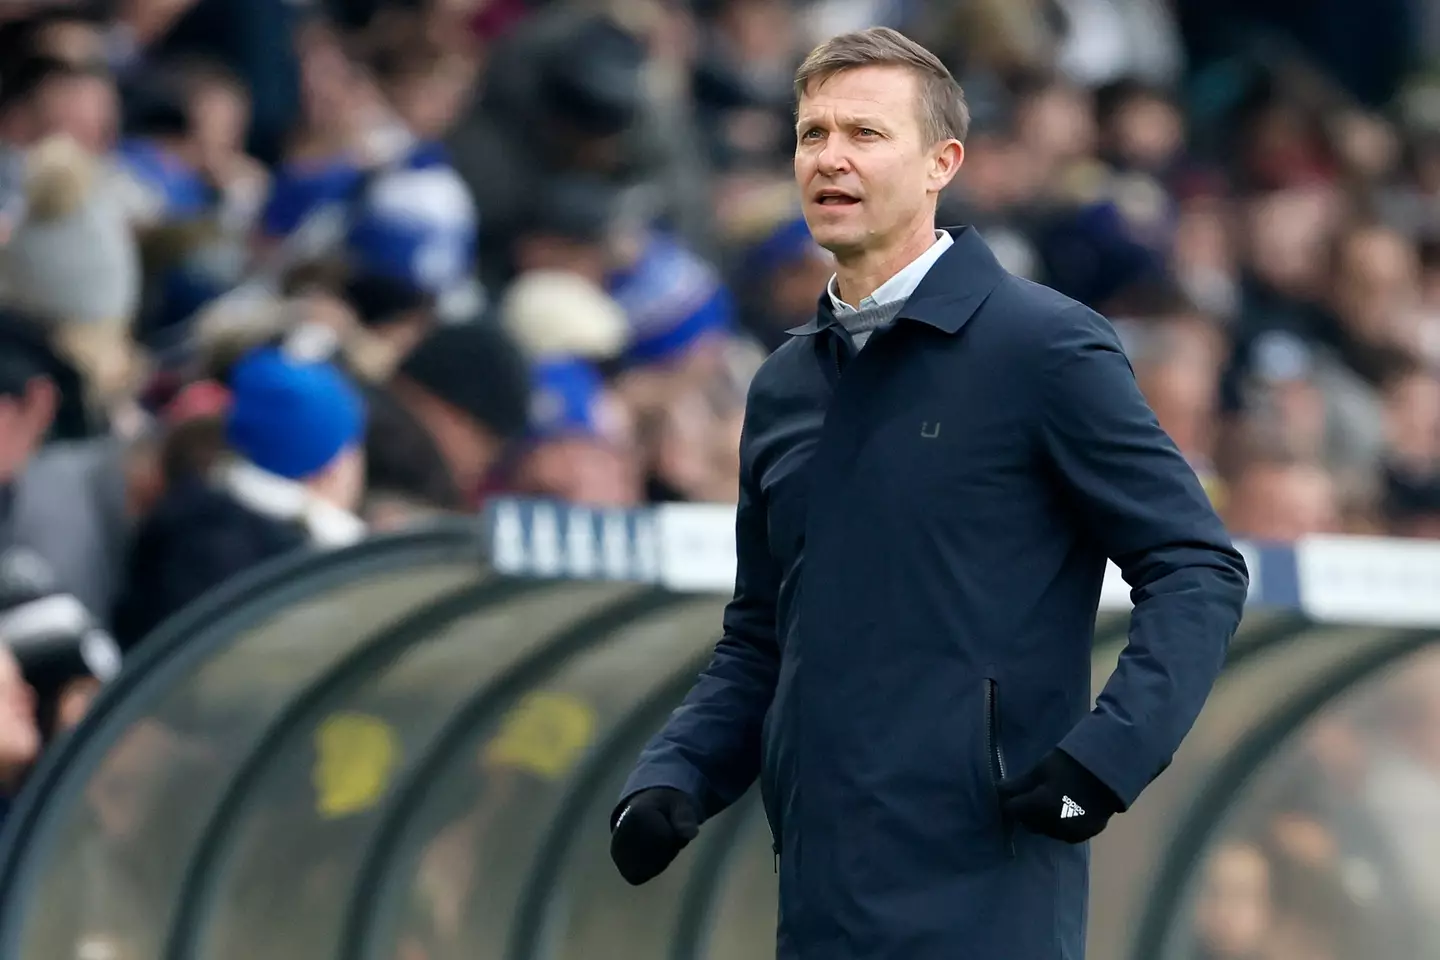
(948, 296)
(289, 502)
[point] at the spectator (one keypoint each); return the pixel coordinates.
(395, 316)
(73, 503)
(1233, 913)
(193, 189)
(249, 37)
(19, 730)
(78, 101)
(680, 314)
(580, 447)
(782, 273)
(1279, 498)
(1406, 781)
(1177, 363)
(64, 654)
(71, 207)
(289, 472)
(1411, 505)
(469, 386)
(564, 97)
(67, 33)
(360, 182)
(557, 313)
(426, 87)
(407, 478)
(1141, 127)
(572, 228)
(30, 397)
(1412, 421)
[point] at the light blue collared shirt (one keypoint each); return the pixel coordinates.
(898, 287)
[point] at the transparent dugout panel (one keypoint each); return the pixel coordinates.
(1127, 859)
(455, 881)
(101, 871)
(281, 875)
(1328, 850)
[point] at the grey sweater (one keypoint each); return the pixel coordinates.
(863, 322)
(69, 506)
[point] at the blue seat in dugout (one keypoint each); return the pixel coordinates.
(411, 219)
(673, 299)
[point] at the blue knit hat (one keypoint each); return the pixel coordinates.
(568, 401)
(673, 298)
(790, 242)
(291, 417)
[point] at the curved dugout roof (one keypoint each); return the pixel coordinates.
(393, 748)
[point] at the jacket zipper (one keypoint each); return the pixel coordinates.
(994, 753)
(992, 733)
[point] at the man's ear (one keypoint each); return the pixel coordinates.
(946, 159)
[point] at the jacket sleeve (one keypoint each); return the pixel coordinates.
(710, 747)
(1139, 501)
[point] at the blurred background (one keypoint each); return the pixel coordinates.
(283, 274)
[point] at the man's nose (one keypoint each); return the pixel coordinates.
(833, 157)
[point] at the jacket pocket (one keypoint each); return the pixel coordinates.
(995, 757)
(767, 786)
(766, 803)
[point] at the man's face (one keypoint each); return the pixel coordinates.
(430, 101)
(220, 116)
(73, 41)
(1283, 503)
(1377, 284)
(867, 173)
(24, 422)
(1233, 914)
(469, 449)
(583, 470)
(19, 735)
(84, 107)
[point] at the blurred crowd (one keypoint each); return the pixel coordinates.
(277, 273)
(1327, 855)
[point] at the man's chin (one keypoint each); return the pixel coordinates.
(837, 240)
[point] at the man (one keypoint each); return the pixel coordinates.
(63, 525)
(20, 739)
(282, 470)
(933, 473)
(469, 387)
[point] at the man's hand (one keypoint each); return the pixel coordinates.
(653, 827)
(1059, 798)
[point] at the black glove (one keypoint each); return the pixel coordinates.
(653, 826)
(1059, 798)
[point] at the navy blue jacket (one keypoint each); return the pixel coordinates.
(921, 536)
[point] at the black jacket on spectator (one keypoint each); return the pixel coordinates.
(197, 537)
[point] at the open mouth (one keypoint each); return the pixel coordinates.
(835, 198)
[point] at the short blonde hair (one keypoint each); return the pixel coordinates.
(943, 112)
